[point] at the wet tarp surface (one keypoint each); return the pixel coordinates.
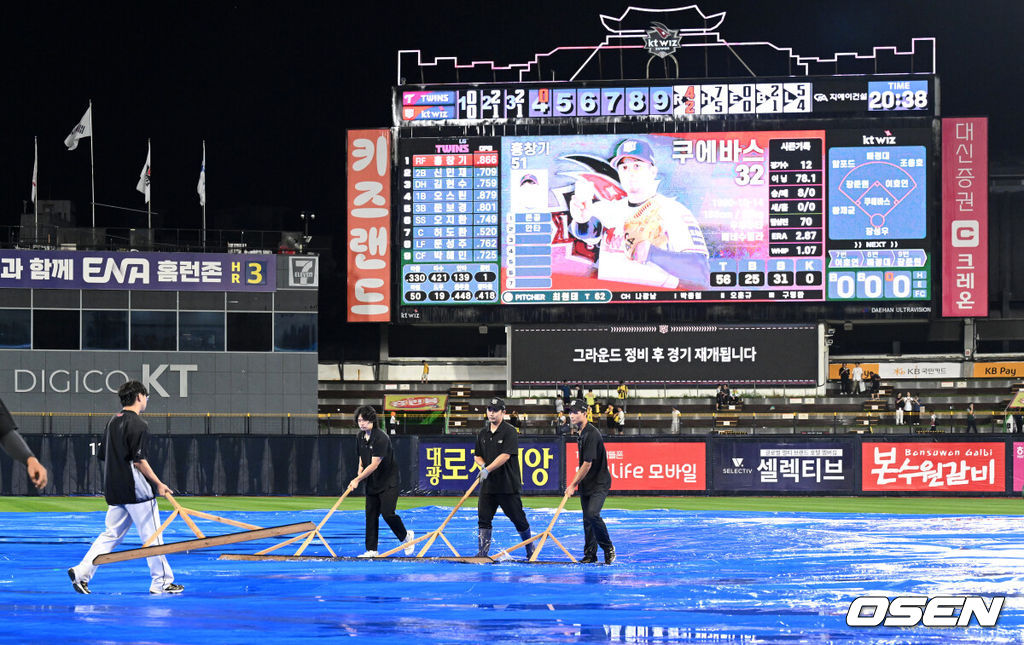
(679, 577)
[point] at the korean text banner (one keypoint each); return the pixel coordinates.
(369, 225)
(152, 271)
(685, 354)
(936, 467)
(449, 467)
(762, 466)
(965, 217)
(415, 402)
(1018, 466)
(649, 466)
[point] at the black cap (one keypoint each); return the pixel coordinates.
(496, 404)
(578, 406)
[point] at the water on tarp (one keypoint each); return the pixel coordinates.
(680, 577)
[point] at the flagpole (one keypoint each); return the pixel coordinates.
(149, 184)
(35, 187)
(92, 165)
(204, 194)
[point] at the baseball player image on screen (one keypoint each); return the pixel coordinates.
(645, 238)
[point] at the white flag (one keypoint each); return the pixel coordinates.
(35, 174)
(201, 187)
(80, 131)
(143, 185)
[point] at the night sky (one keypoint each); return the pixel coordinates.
(273, 86)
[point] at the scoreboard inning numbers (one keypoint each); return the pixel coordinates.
(675, 100)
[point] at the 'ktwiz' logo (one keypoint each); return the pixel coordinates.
(661, 41)
(908, 611)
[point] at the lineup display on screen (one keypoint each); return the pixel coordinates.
(816, 215)
(678, 100)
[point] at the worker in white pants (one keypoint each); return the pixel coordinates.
(146, 517)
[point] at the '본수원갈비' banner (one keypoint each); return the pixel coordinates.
(931, 466)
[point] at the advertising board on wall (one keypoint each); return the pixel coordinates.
(38, 269)
(933, 466)
(771, 466)
(449, 466)
(369, 225)
(649, 466)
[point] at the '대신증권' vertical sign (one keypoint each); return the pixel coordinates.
(965, 217)
(369, 225)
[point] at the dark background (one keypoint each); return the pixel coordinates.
(273, 86)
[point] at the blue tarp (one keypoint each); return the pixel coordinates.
(679, 577)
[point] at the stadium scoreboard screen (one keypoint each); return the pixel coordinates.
(819, 210)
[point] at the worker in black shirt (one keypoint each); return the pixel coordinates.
(130, 487)
(377, 466)
(594, 481)
(497, 457)
(15, 446)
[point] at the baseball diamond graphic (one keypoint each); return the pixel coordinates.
(881, 196)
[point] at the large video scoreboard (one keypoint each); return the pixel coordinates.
(836, 213)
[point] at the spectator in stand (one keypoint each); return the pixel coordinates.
(579, 392)
(844, 379)
(513, 420)
(933, 427)
(675, 421)
(620, 420)
(972, 424)
(623, 392)
(426, 372)
(858, 379)
(590, 398)
(899, 408)
(560, 421)
(1018, 423)
(915, 411)
(559, 405)
(393, 423)
(566, 394)
(876, 384)
(908, 407)
(609, 414)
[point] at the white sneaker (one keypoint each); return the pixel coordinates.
(409, 547)
(369, 554)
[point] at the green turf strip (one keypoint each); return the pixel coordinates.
(900, 505)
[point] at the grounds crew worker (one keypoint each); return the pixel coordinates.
(15, 446)
(594, 481)
(497, 457)
(377, 466)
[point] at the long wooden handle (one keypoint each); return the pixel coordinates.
(319, 526)
(433, 534)
(459, 505)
